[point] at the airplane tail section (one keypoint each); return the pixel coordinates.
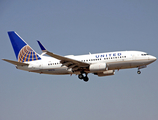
(23, 52)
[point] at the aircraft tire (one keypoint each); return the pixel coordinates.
(139, 72)
(80, 76)
(86, 79)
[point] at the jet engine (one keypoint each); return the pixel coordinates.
(97, 67)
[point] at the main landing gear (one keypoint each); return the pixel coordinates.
(85, 78)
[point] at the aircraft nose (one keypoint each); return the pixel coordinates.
(153, 58)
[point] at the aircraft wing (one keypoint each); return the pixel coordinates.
(15, 62)
(70, 63)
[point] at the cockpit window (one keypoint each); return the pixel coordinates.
(144, 54)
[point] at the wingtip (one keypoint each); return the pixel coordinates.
(41, 46)
(11, 31)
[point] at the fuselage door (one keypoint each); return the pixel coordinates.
(133, 57)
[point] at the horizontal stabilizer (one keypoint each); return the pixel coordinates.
(15, 62)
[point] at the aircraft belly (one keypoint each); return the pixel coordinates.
(53, 71)
(56, 71)
(127, 64)
(120, 65)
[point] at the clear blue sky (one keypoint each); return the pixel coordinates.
(78, 27)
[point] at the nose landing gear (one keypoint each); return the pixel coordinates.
(85, 78)
(140, 67)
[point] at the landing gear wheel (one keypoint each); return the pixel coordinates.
(86, 79)
(139, 72)
(83, 76)
(80, 76)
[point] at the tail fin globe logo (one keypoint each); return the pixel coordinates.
(26, 54)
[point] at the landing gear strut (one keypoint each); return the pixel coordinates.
(85, 78)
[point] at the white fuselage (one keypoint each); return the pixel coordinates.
(113, 60)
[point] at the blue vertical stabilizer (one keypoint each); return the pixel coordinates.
(23, 51)
(17, 42)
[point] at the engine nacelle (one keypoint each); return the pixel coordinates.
(105, 73)
(97, 67)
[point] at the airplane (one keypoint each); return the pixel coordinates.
(100, 64)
